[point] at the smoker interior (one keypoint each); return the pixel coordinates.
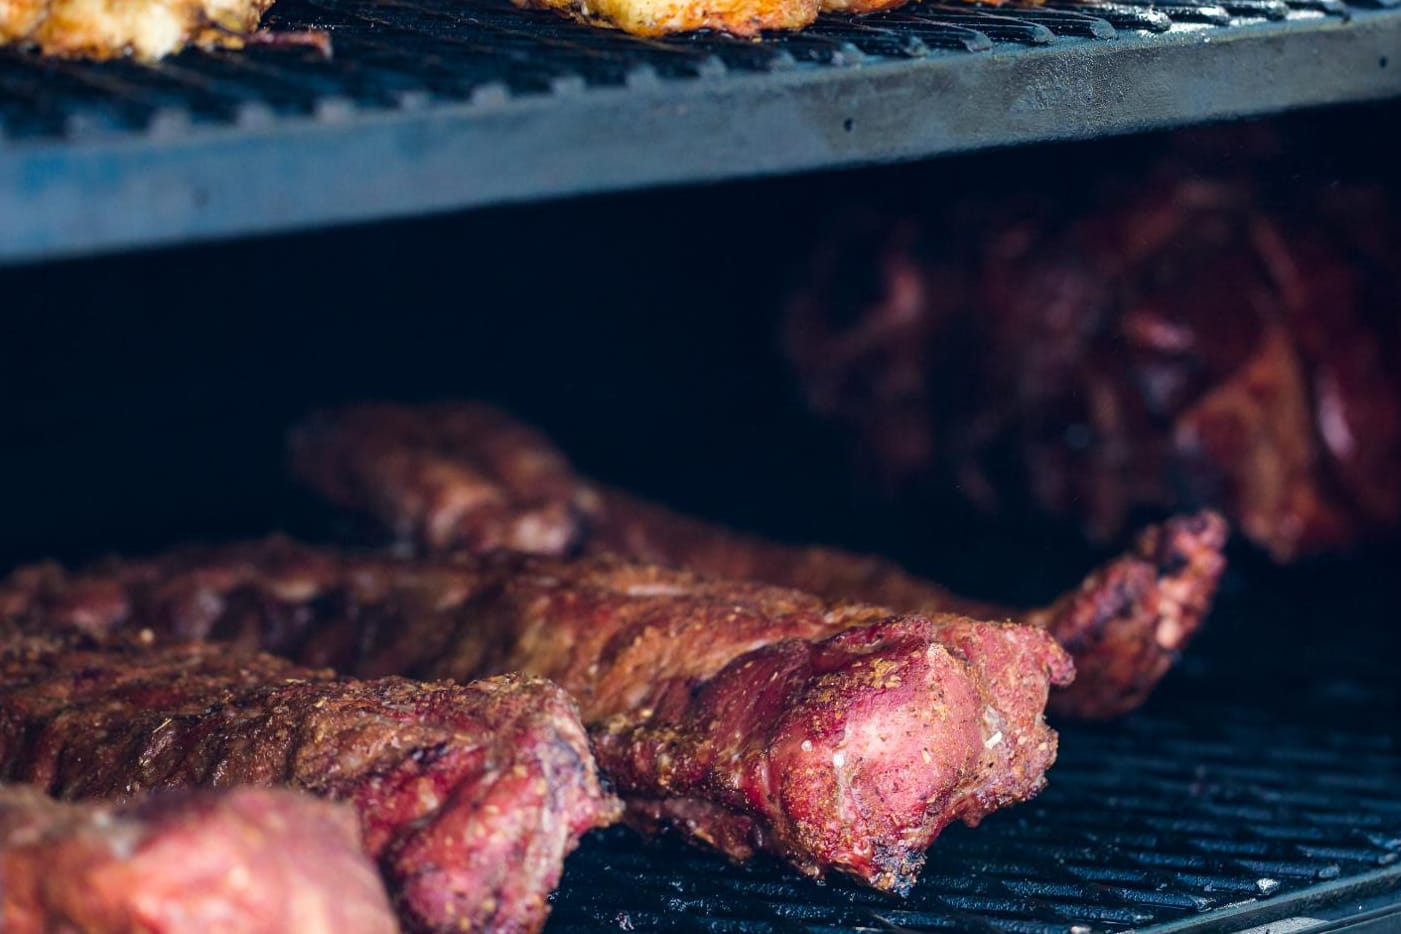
(147, 394)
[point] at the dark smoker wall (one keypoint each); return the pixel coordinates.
(146, 396)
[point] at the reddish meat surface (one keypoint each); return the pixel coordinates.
(469, 796)
(1125, 625)
(837, 736)
(1177, 343)
(512, 490)
(245, 860)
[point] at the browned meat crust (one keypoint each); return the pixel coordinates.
(238, 860)
(1184, 341)
(1125, 625)
(510, 488)
(837, 736)
(469, 796)
(145, 29)
(452, 476)
(663, 17)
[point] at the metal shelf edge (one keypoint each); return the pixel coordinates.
(104, 193)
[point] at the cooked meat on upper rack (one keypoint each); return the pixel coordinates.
(145, 29)
(1179, 341)
(663, 17)
(746, 18)
(836, 736)
(247, 860)
(466, 476)
(469, 796)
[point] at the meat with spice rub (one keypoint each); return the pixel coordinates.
(469, 795)
(467, 477)
(838, 736)
(144, 29)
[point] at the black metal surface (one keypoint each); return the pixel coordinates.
(1213, 818)
(441, 104)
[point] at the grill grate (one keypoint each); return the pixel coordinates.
(443, 104)
(390, 55)
(1156, 820)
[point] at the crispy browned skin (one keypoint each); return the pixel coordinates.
(663, 17)
(240, 860)
(837, 736)
(421, 471)
(469, 796)
(1201, 340)
(145, 29)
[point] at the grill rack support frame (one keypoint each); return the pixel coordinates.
(175, 181)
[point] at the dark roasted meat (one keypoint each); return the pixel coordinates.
(238, 860)
(1184, 343)
(509, 489)
(836, 736)
(447, 476)
(469, 796)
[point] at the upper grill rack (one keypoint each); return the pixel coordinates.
(408, 54)
(430, 105)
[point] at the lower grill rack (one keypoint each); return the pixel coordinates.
(1157, 821)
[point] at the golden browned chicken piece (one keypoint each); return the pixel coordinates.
(466, 477)
(144, 29)
(662, 17)
(737, 17)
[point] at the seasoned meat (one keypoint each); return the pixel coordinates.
(837, 736)
(1186, 342)
(238, 860)
(499, 483)
(469, 796)
(455, 476)
(736, 17)
(145, 29)
(663, 17)
(1125, 625)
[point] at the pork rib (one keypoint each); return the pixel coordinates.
(836, 736)
(462, 476)
(243, 859)
(469, 796)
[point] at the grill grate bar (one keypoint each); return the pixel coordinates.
(1121, 15)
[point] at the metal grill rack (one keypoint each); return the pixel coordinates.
(1216, 821)
(431, 105)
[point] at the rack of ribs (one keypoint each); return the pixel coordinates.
(466, 477)
(836, 736)
(177, 861)
(469, 795)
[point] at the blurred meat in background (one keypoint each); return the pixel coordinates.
(1199, 334)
